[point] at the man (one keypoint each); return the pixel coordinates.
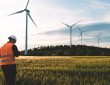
(8, 52)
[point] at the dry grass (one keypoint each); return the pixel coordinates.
(43, 57)
(63, 70)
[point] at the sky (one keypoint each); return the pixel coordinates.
(48, 15)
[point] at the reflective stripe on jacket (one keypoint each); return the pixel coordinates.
(6, 54)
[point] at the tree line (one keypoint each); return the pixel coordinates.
(66, 50)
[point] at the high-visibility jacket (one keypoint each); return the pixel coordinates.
(6, 55)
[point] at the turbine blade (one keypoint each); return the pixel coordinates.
(27, 4)
(32, 20)
(75, 23)
(17, 12)
(80, 34)
(65, 24)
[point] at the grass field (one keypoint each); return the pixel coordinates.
(62, 70)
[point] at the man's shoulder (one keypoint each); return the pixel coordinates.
(14, 47)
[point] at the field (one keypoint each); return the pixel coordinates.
(62, 70)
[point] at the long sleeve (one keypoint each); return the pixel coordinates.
(15, 51)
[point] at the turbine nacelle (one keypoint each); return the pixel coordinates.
(27, 10)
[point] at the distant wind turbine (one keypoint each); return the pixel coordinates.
(99, 39)
(81, 34)
(27, 15)
(71, 26)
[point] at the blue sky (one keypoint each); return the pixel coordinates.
(48, 15)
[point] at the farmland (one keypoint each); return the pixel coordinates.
(62, 70)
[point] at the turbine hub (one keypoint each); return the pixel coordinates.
(27, 10)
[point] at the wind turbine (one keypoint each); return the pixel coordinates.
(27, 15)
(98, 38)
(71, 26)
(81, 34)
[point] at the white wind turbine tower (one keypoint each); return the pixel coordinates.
(27, 15)
(71, 26)
(99, 39)
(81, 34)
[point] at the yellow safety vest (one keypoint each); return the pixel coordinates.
(6, 55)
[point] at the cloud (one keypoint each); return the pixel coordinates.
(94, 29)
